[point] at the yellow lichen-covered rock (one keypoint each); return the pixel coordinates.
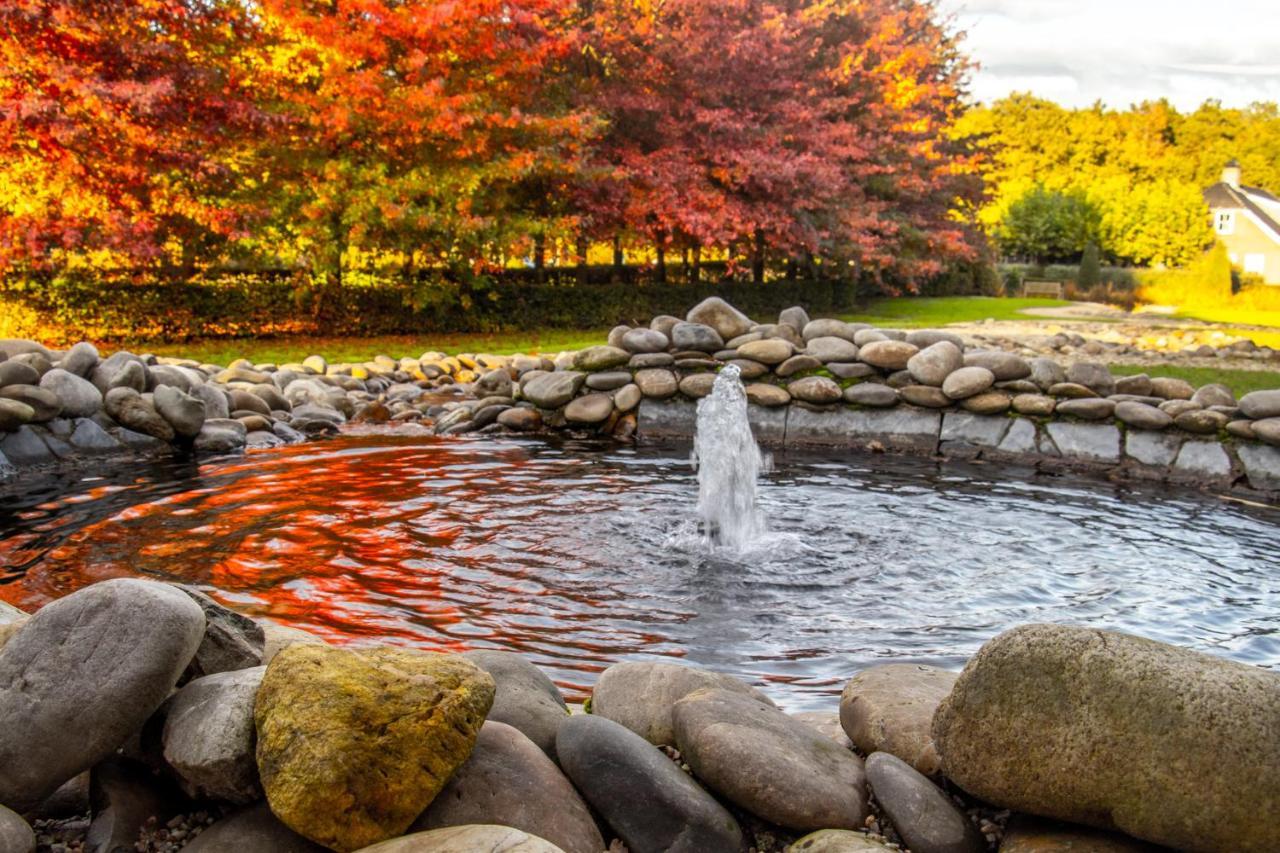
(353, 744)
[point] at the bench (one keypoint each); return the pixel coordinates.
(1034, 287)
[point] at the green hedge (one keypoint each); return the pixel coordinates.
(122, 307)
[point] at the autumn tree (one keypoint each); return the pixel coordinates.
(433, 128)
(806, 128)
(112, 115)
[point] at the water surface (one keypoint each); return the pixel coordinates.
(579, 555)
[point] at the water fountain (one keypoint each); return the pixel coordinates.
(729, 462)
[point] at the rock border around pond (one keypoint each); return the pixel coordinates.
(304, 746)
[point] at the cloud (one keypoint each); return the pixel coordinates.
(1122, 51)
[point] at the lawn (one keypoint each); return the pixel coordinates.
(1241, 382)
(927, 312)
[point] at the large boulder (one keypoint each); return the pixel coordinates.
(890, 708)
(509, 781)
(209, 736)
(353, 744)
(83, 675)
(129, 408)
(231, 640)
(641, 694)
(652, 804)
(467, 839)
(728, 321)
(525, 698)
(1119, 732)
(184, 412)
(768, 763)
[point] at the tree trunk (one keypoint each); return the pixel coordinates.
(791, 269)
(618, 258)
(757, 259)
(580, 258)
(540, 257)
(697, 264)
(661, 273)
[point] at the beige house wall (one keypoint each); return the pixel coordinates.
(1249, 238)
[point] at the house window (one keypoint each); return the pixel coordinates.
(1224, 222)
(1255, 263)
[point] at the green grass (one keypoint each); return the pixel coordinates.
(284, 350)
(1240, 382)
(927, 312)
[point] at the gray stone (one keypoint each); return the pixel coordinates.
(80, 399)
(249, 831)
(828, 328)
(728, 321)
(888, 355)
(214, 399)
(1073, 390)
(44, 404)
(1266, 430)
(525, 699)
(645, 341)
(1169, 388)
(987, 403)
(589, 410)
(509, 781)
(839, 841)
(129, 408)
(1020, 440)
(665, 419)
(657, 383)
(1096, 377)
(1036, 405)
(900, 428)
(1100, 728)
(1152, 448)
(1204, 461)
(830, 348)
(1004, 366)
(80, 360)
(25, 446)
(125, 796)
(923, 815)
(1086, 442)
(83, 675)
(933, 364)
(221, 436)
(857, 370)
(967, 381)
(628, 397)
(1046, 372)
(641, 694)
(184, 412)
(1201, 421)
(15, 414)
(768, 425)
(615, 335)
(600, 358)
(466, 839)
(815, 389)
(88, 437)
(767, 763)
(520, 419)
(1142, 416)
(231, 640)
(871, 394)
(495, 383)
(15, 835)
(868, 335)
(826, 724)
(1138, 385)
(269, 394)
(610, 380)
(696, 337)
(1173, 408)
(1261, 404)
(1261, 466)
(697, 385)
(247, 401)
(552, 390)
(889, 708)
(653, 805)
(925, 338)
(1087, 408)
(1214, 394)
(17, 373)
(209, 736)
(763, 394)
(664, 323)
(795, 317)
(798, 363)
(925, 396)
(131, 374)
(979, 430)
(768, 351)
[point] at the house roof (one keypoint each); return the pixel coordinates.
(1224, 196)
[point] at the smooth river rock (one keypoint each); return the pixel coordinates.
(525, 698)
(509, 781)
(231, 640)
(889, 708)
(924, 816)
(209, 736)
(728, 321)
(696, 337)
(652, 804)
(815, 389)
(768, 763)
(83, 675)
(1028, 834)
(552, 390)
(933, 364)
(871, 394)
(641, 694)
(354, 744)
(16, 836)
(589, 409)
(1261, 404)
(467, 839)
(1119, 732)
(967, 381)
(839, 841)
(250, 830)
(888, 355)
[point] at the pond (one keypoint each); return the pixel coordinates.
(582, 554)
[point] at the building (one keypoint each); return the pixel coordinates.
(1247, 221)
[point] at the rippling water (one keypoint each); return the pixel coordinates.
(580, 555)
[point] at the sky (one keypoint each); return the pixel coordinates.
(1123, 52)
